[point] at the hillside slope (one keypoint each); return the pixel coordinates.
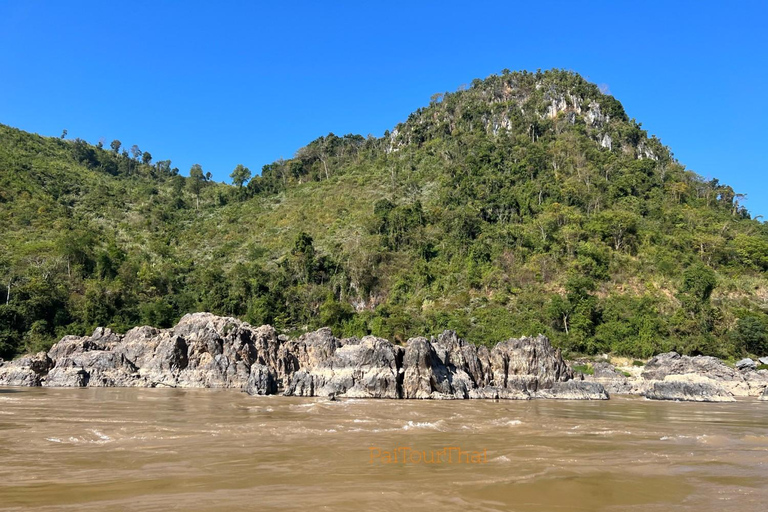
(528, 203)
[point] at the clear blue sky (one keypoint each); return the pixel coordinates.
(221, 83)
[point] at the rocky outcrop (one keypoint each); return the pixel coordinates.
(25, 371)
(574, 390)
(705, 369)
(352, 368)
(688, 391)
(204, 350)
(764, 396)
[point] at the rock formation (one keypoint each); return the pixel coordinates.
(204, 350)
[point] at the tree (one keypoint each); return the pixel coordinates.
(751, 334)
(115, 145)
(146, 157)
(164, 167)
(135, 152)
(240, 175)
(64, 134)
(304, 254)
(196, 181)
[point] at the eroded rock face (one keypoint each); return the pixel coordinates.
(712, 370)
(688, 391)
(574, 390)
(367, 368)
(204, 350)
(25, 371)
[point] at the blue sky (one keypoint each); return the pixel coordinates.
(222, 83)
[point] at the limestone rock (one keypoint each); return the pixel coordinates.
(574, 390)
(367, 368)
(672, 363)
(688, 391)
(25, 371)
(262, 380)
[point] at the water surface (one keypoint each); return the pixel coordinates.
(215, 450)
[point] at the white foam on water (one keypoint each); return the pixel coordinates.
(422, 424)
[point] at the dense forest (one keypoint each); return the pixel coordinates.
(524, 203)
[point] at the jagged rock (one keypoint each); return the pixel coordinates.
(262, 380)
(221, 350)
(367, 368)
(746, 364)
(672, 363)
(574, 390)
(25, 371)
(306, 352)
(204, 350)
(688, 391)
(101, 339)
(95, 368)
(530, 363)
(66, 377)
(138, 345)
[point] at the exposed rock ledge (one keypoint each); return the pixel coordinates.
(207, 351)
(671, 376)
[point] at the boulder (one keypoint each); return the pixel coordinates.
(763, 360)
(688, 391)
(764, 395)
(25, 371)
(746, 364)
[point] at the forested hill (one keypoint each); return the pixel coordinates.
(526, 203)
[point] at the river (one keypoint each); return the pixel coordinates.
(102, 449)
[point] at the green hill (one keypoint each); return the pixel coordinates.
(527, 203)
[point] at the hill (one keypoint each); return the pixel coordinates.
(527, 203)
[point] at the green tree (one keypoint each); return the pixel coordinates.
(240, 175)
(115, 145)
(196, 181)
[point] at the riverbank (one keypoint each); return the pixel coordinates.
(208, 351)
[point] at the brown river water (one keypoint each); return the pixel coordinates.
(216, 450)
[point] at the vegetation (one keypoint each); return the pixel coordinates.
(527, 203)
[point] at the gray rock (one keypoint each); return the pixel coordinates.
(673, 364)
(574, 390)
(613, 380)
(688, 391)
(764, 395)
(94, 368)
(204, 350)
(262, 380)
(746, 364)
(528, 364)
(763, 360)
(367, 368)
(25, 371)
